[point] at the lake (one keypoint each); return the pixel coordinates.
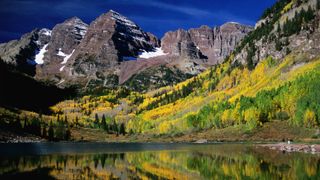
(153, 161)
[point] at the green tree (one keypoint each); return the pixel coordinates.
(17, 124)
(68, 134)
(251, 53)
(65, 119)
(104, 124)
(44, 131)
(35, 127)
(278, 45)
(51, 132)
(122, 129)
(60, 133)
(115, 127)
(25, 124)
(77, 121)
(279, 29)
(96, 121)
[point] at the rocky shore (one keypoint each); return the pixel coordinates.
(285, 147)
(10, 137)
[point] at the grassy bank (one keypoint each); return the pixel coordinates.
(274, 131)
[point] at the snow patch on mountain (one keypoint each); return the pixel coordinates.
(61, 69)
(60, 53)
(157, 52)
(39, 57)
(66, 56)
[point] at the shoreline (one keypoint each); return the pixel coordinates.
(303, 146)
(289, 148)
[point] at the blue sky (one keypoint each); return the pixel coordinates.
(156, 16)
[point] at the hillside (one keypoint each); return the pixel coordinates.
(272, 77)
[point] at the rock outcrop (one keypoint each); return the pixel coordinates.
(213, 44)
(274, 38)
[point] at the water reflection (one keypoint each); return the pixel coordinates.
(190, 162)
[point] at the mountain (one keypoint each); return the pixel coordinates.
(110, 40)
(114, 50)
(63, 42)
(271, 78)
(22, 53)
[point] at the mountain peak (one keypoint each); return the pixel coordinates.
(113, 12)
(121, 18)
(74, 21)
(232, 24)
(74, 18)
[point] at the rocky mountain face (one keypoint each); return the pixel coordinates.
(63, 42)
(214, 44)
(110, 40)
(113, 50)
(21, 53)
(287, 27)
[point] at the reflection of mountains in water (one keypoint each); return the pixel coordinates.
(194, 162)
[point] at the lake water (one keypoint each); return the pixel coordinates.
(153, 161)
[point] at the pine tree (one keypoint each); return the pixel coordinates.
(77, 121)
(51, 132)
(68, 134)
(104, 123)
(278, 45)
(35, 127)
(65, 119)
(279, 29)
(44, 132)
(122, 129)
(96, 121)
(115, 127)
(251, 53)
(25, 125)
(17, 124)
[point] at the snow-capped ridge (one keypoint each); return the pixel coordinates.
(61, 69)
